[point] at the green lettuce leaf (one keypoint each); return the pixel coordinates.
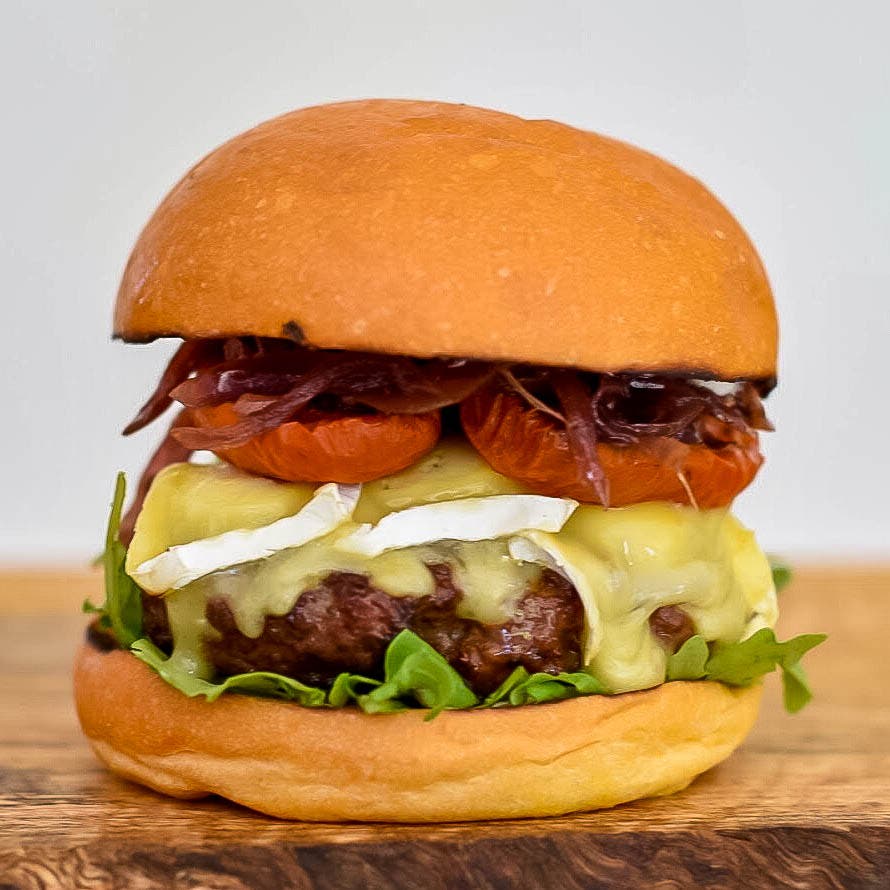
(689, 661)
(261, 683)
(795, 688)
(122, 610)
(522, 688)
(740, 664)
(89, 608)
(782, 573)
(414, 670)
(501, 695)
(350, 688)
(414, 674)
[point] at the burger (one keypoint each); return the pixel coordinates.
(440, 528)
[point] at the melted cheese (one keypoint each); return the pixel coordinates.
(642, 557)
(330, 507)
(625, 562)
(187, 502)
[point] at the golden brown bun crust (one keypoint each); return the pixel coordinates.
(300, 763)
(425, 228)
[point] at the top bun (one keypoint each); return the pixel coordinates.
(431, 229)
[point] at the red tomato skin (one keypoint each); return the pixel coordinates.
(335, 448)
(528, 445)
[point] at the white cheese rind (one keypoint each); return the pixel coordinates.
(465, 519)
(330, 507)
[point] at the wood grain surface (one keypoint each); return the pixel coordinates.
(805, 803)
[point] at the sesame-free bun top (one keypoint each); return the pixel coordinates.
(426, 228)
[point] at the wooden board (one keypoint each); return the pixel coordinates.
(805, 803)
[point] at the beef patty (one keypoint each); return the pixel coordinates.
(345, 624)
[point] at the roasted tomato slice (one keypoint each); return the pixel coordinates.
(532, 447)
(329, 447)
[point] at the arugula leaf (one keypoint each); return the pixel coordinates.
(261, 683)
(413, 669)
(122, 610)
(386, 702)
(795, 688)
(689, 662)
(782, 573)
(89, 608)
(554, 687)
(350, 687)
(502, 693)
(739, 664)
(415, 674)
(522, 688)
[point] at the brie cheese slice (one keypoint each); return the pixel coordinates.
(465, 519)
(330, 507)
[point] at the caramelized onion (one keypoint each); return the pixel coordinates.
(269, 382)
(265, 373)
(630, 408)
(258, 416)
(664, 414)
(751, 407)
(191, 355)
(418, 388)
(578, 406)
(270, 389)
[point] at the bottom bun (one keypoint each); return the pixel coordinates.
(343, 765)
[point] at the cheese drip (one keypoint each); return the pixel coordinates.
(633, 560)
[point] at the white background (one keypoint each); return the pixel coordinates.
(782, 108)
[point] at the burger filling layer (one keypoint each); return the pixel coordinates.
(614, 593)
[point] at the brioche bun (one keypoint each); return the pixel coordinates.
(343, 765)
(424, 228)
